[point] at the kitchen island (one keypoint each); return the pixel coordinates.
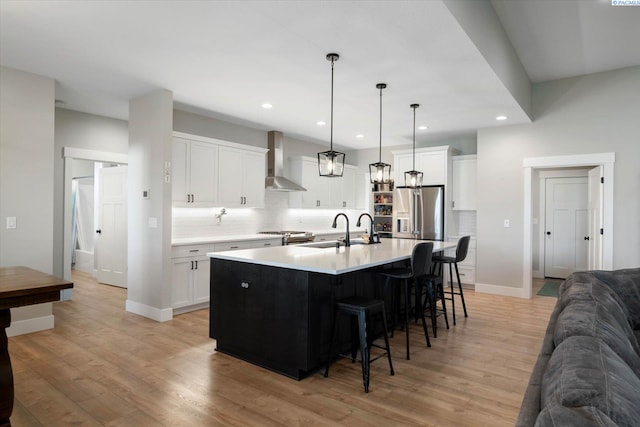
(274, 306)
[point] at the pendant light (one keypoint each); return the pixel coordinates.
(331, 163)
(380, 172)
(413, 178)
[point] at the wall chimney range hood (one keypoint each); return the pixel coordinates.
(275, 165)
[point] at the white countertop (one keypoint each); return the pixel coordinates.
(244, 237)
(329, 260)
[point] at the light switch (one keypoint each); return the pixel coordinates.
(11, 222)
(507, 223)
(153, 222)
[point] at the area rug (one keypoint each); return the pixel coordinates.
(549, 289)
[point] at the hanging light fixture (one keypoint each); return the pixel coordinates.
(380, 172)
(413, 178)
(331, 163)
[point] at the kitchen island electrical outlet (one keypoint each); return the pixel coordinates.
(11, 222)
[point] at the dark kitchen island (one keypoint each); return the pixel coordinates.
(274, 306)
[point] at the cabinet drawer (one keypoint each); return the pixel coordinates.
(191, 250)
(232, 246)
(266, 243)
(467, 275)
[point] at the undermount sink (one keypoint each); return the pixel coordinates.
(331, 244)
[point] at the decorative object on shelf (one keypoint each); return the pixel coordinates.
(331, 163)
(380, 172)
(413, 178)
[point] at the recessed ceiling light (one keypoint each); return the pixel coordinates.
(423, 127)
(500, 118)
(360, 136)
(321, 123)
(266, 106)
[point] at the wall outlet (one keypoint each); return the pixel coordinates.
(11, 222)
(507, 223)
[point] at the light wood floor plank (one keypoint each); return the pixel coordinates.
(103, 366)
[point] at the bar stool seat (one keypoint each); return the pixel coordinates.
(420, 264)
(363, 309)
(461, 253)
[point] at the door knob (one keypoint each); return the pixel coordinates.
(99, 231)
(586, 237)
(548, 233)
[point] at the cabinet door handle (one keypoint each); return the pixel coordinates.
(194, 250)
(233, 247)
(267, 244)
(192, 265)
(196, 264)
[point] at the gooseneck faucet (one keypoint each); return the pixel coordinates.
(347, 241)
(371, 238)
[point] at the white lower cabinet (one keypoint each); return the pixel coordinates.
(190, 277)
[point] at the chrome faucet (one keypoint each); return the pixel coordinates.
(347, 241)
(371, 236)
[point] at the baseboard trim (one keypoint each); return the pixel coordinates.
(153, 313)
(501, 290)
(27, 326)
(189, 308)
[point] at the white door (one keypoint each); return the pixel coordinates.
(566, 221)
(111, 234)
(595, 218)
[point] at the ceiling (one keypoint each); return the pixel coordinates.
(225, 59)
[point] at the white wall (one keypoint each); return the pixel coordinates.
(591, 114)
(26, 188)
(149, 247)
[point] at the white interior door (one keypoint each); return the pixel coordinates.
(595, 218)
(567, 224)
(111, 234)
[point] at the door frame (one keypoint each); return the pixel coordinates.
(69, 154)
(543, 175)
(607, 161)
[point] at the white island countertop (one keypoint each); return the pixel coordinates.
(330, 260)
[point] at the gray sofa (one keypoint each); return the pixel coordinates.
(588, 370)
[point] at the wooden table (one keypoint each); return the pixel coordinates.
(20, 286)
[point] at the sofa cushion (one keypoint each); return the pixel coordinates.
(626, 284)
(584, 371)
(590, 318)
(584, 416)
(583, 286)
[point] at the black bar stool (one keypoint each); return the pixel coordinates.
(461, 254)
(420, 265)
(363, 309)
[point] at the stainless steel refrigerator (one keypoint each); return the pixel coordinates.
(418, 213)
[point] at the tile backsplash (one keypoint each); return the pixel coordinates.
(276, 215)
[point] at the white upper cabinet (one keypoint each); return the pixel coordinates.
(241, 176)
(464, 183)
(195, 178)
(209, 172)
(432, 162)
(322, 192)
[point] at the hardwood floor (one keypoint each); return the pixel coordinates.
(103, 366)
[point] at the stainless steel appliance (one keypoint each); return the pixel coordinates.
(292, 237)
(418, 213)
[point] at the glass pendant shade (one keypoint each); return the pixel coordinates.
(413, 178)
(331, 163)
(380, 172)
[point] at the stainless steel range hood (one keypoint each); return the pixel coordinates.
(275, 165)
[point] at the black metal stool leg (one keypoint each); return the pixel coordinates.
(464, 306)
(364, 349)
(420, 309)
(406, 313)
(453, 304)
(386, 342)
